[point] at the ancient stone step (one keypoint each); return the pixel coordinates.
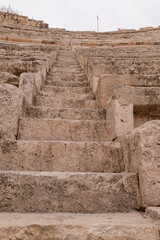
(65, 71)
(66, 102)
(63, 52)
(66, 68)
(49, 81)
(67, 90)
(60, 60)
(67, 65)
(63, 93)
(66, 58)
(71, 226)
(66, 113)
(74, 76)
(67, 192)
(68, 48)
(67, 77)
(66, 53)
(63, 130)
(153, 212)
(61, 156)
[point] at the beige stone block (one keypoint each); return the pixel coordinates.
(38, 81)
(68, 192)
(12, 105)
(61, 156)
(120, 118)
(70, 226)
(107, 82)
(154, 212)
(98, 69)
(15, 67)
(44, 73)
(66, 103)
(9, 78)
(95, 81)
(143, 156)
(63, 130)
(146, 28)
(66, 113)
(139, 96)
(27, 86)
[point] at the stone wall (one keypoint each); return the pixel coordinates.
(142, 155)
(23, 69)
(28, 34)
(17, 19)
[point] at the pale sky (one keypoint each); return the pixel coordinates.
(81, 14)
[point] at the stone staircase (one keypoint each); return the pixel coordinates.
(64, 161)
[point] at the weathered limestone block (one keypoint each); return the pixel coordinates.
(18, 19)
(68, 192)
(11, 108)
(137, 95)
(73, 114)
(97, 70)
(9, 78)
(61, 156)
(63, 130)
(142, 155)
(14, 67)
(126, 100)
(38, 81)
(70, 226)
(120, 118)
(44, 73)
(106, 83)
(27, 86)
(154, 212)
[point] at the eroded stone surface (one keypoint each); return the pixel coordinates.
(63, 130)
(129, 226)
(66, 103)
(66, 113)
(12, 106)
(61, 156)
(153, 212)
(67, 192)
(9, 78)
(143, 156)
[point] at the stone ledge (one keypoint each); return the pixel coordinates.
(61, 156)
(125, 101)
(68, 192)
(154, 212)
(77, 226)
(142, 155)
(18, 19)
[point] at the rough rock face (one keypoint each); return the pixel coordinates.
(61, 156)
(9, 78)
(67, 192)
(117, 226)
(27, 86)
(143, 156)
(18, 19)
(12, 106)
(15, 67)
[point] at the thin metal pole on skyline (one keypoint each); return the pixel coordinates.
(97, 23)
